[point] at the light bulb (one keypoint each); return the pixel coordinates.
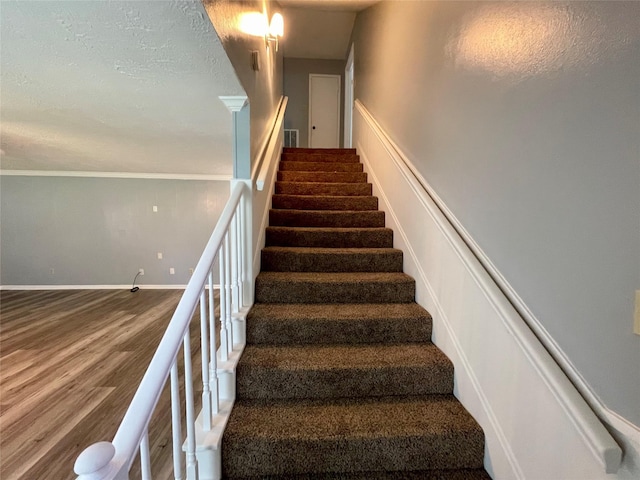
(276, 28)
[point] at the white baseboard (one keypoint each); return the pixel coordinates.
(527, 407)
(125, 175)
(96, 287)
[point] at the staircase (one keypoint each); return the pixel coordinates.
(339, 379)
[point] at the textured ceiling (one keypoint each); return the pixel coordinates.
(333, 5)
(319, 28)
(119, 86)
(317, 33)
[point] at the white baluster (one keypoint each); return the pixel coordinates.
(227, 290)
(224, 351)
(145, 461)
(192, 465)
(176, 426)
(213, 364)
(239, 255)
(241, 252)
(204, 350)
(233, 234)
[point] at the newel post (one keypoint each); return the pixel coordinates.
(241, 130)
(96, 462)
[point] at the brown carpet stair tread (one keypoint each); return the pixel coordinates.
(321, 287)
(326, 218)
(330, 177)
(373, 433)
(322, 156)
(340, 312)
(322, 202)
(457, 474)
(330, 371)
(375, 237)
(299, 324)
(352, 417)
(319, 157)
(324, 188)
(307, 165)
(309, 259)
(333, 151)
(345, 278)
(328, 357)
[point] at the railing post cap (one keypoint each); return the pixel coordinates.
(94, 458)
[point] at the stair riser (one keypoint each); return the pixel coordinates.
(316, 150)
(307, 202)
(273, 291)
(346, 238)
(308, 218)
(308, 332)
(300, 456)
(320, 157)
(330, 177)
(315, 188)
(310, 166)
(254, 382)
(327, 262)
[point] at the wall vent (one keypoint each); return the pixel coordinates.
(291, 137)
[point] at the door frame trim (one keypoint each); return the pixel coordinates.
(349, 100)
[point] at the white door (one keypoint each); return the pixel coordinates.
(324, 111)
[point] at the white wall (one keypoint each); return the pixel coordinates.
(524, 118)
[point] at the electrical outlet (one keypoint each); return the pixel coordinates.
(159, 255)
(636, 317)
(155, 209)
(52, 271)
(191, 271)
(141, 271)
(172, 271)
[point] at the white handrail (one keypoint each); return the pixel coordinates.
(112, 461)
(271, 146)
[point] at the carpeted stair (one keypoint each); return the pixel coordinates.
(339, 379)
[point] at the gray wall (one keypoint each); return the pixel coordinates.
(99, 231)
(525, 118)
(263, 87)
(296, 87)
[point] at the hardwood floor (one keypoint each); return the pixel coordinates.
(70, 362)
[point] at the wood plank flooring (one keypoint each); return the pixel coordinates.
(70, 362)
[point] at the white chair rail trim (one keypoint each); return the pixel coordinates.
(270, 150)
